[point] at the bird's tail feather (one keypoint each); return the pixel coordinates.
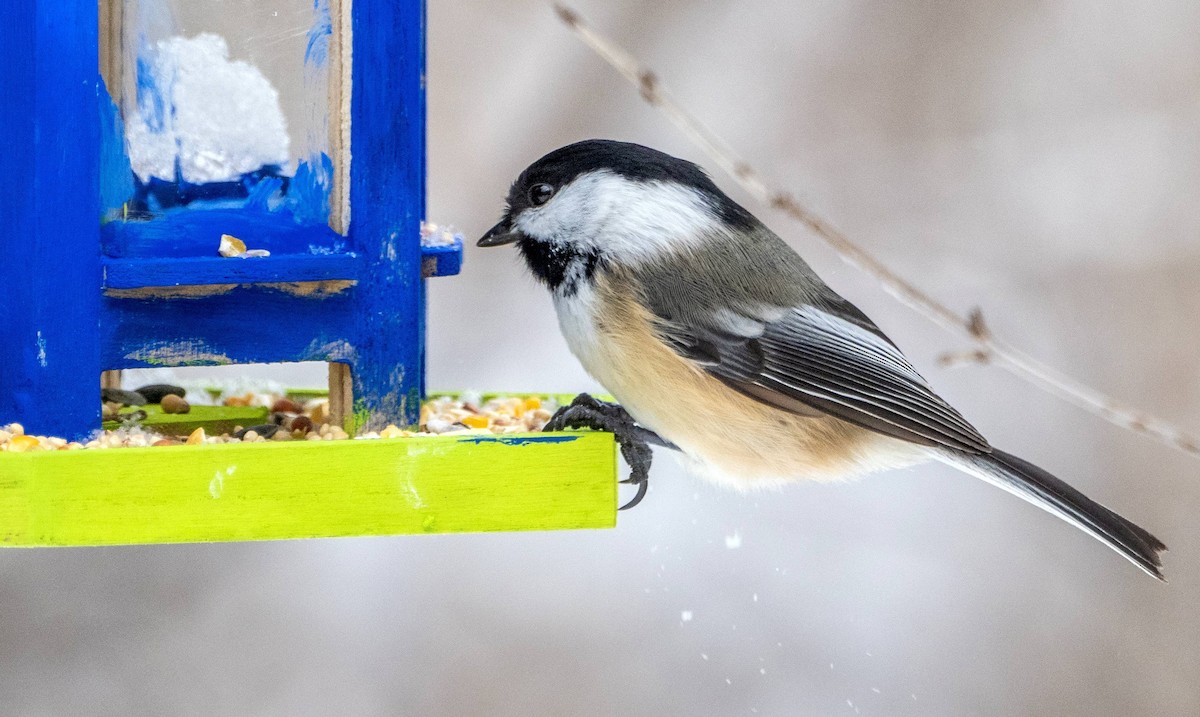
(1035, 485)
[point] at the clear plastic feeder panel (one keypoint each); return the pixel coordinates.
(223, 103)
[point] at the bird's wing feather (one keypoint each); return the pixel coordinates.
(812, 359)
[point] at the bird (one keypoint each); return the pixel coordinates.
(718, 340)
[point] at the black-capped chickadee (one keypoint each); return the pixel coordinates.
(715, 336)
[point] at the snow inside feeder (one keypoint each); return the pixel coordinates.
(188, 122)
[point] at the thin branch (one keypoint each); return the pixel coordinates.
(988, 348)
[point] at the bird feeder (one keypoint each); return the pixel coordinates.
(202, 183)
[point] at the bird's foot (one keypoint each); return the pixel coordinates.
(588, 412)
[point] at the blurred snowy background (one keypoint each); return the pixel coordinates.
(1037, 158)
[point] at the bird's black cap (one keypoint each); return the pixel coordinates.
(632, 161)
(625, 159)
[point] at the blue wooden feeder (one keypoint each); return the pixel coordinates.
(99, 274)
(111, 265)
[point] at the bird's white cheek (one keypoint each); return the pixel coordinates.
(539, 224)
(624, 219)
(565, 218)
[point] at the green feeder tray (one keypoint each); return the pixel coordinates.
(308, 489)
(215, 420)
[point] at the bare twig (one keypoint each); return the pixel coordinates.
(954, 359)
(989, 349)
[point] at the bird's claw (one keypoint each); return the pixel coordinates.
(642, 486)
(588, 412)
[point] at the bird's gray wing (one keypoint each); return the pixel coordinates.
(821, 357)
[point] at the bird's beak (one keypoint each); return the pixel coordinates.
(498, 235)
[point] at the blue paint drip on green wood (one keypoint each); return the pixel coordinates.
(518, 440)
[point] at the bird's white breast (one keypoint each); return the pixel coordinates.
(577, 320)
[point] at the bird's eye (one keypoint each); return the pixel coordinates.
(539, 194)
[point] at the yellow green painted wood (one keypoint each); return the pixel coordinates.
(305, 489)
(306, 394)
(213, 419)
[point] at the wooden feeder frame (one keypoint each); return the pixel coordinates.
(83, 298)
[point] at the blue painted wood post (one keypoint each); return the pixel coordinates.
(387, 203)
(50, 216)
